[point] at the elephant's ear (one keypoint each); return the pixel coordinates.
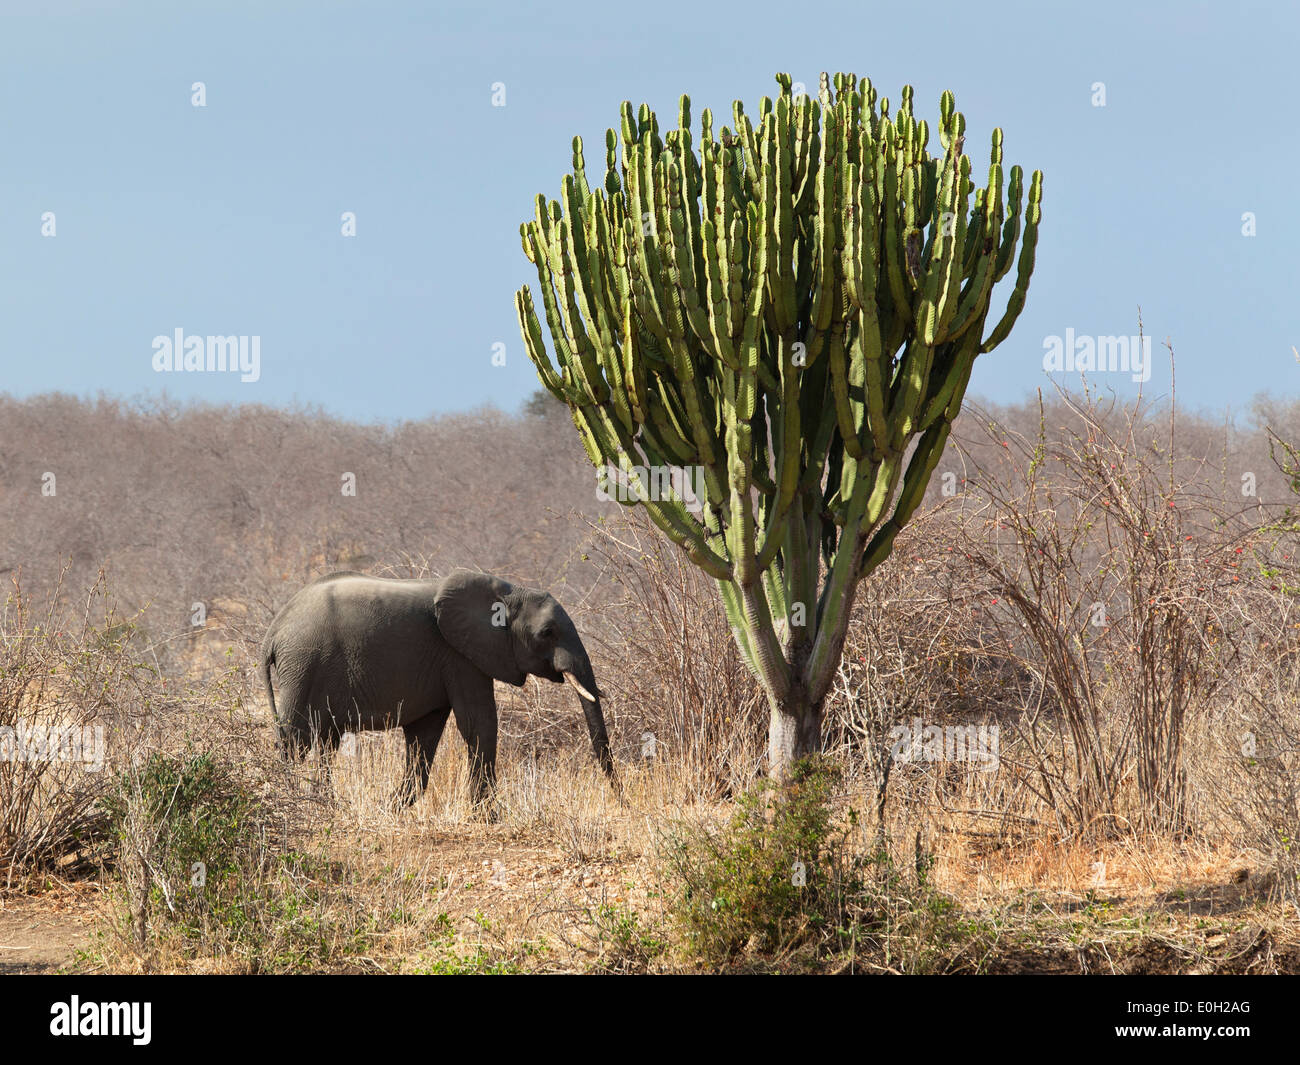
(473, 612)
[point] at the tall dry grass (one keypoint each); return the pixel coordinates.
(1163, 737)
(73, 692)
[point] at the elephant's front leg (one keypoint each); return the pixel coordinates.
(475, 707)
(422, 738)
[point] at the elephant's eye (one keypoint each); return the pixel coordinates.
(548, 632)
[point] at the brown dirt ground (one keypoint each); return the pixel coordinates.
(529, 886)
(39, 934)
(1123, 908)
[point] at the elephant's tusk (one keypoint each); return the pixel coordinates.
(572, 681)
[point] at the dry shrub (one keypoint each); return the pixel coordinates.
(1245, 780)
(73, 689)
(108, 766)
(1248, 784)
(669, 662)
(216, 874)
(1118, 610)
(1115, 576)
(912, 657)
(791, 879)
(1141, 726)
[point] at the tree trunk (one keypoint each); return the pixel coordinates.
(795, 729)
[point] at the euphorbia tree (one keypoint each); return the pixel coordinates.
(795, 312)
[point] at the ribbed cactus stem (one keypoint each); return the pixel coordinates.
(789, 307)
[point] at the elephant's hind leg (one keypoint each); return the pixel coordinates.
(422, 738)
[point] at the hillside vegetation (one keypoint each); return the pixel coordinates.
(1109, 592)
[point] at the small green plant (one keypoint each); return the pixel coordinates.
(192, 810)
(182, 825)
(784, 881)
(446, 957)
(201, 875)
(626, 944)
(481, 961)
(768, 881)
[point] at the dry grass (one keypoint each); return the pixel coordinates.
(1141, 815)
(570, 879)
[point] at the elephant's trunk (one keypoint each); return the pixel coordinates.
(599, 737)
(577, 672)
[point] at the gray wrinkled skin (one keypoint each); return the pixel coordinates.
(352, 653)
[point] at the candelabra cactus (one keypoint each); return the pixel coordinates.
(789, 312)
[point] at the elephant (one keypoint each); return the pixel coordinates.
(354, 653)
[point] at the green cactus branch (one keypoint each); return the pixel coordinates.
(794, 311)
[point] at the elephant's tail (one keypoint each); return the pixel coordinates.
(268, 659)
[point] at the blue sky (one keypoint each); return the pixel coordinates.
(225, 219)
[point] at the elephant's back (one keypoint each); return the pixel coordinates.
(368, 644)
(347, 607)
